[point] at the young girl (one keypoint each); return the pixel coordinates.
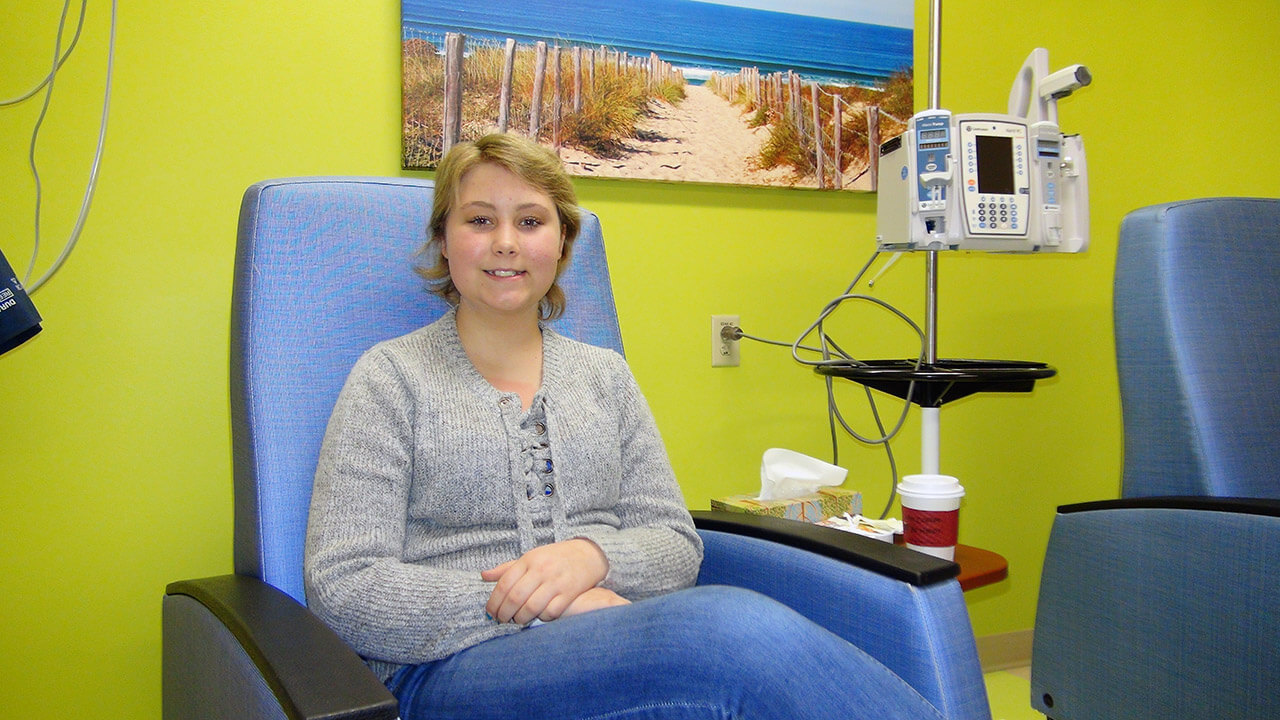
(495, 526)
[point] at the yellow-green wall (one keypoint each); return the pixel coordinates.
(114, 442)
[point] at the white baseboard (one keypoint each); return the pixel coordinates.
(1005, 650)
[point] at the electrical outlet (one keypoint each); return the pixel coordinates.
(724, 350)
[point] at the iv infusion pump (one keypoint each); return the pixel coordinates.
(989, 182)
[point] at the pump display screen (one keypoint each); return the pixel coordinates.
(995, 164)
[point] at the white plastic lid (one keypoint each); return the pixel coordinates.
(938, 486)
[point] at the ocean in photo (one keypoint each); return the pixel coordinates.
(696, 37)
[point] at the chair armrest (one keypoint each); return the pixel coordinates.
(1159, 607)
(899, 563)
(235, 646)
(903, 608)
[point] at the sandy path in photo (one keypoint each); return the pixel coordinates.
(703, 139)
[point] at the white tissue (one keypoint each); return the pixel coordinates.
(786, 474)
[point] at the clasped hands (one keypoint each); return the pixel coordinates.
(549, 582)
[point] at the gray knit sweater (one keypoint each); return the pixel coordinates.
(428, 475)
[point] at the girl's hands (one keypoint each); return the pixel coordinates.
(549, 582)
(594, 599)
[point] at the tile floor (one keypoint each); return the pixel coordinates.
(1009, 692)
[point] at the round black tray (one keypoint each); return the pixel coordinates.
(935, 384)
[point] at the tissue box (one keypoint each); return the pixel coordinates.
(813, 508)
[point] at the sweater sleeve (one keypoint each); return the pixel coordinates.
(654, 548)
(386, 609)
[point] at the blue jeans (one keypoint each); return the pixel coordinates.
(706, 652)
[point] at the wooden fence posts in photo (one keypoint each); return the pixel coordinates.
(814, 134)
(508, 74)
(655, 70)
(784, 92)
(818, 156)
(557, 98)
(577, 79)
(873, 144)
(539, 76)
(453, 44)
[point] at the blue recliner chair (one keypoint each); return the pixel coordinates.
(1166, 602)
(323, 271)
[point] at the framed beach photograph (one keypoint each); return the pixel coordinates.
(790, 93)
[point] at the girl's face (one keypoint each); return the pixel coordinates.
(503, 241)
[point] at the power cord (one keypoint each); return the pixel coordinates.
(833, 355)
(61, 61)
(60, 58)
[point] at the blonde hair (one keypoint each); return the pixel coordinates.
(527, 160)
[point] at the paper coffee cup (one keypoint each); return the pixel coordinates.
(931, 513)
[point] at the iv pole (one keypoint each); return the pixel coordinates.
(930, 427)
(931, 382)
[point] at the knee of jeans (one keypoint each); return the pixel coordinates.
(727, 599)
(739, 638)
(738, 617)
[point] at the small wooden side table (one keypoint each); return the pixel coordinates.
(980, 567)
